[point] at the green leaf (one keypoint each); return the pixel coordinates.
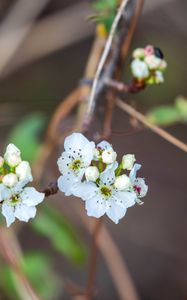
(37, 268)
(181, 106)
(26, 135)
(164, 115)
(102, 5)
(63, 237)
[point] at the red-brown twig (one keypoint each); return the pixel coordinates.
(161, 132)
(93, 260)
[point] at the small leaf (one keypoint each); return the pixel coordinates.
(63, 237)
(181, 106)
(164, 115)
(26, 136)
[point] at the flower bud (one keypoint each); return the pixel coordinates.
(1, 161)
(138, 53)
(153, 62)
(163, 65)
(128, 161)
(10, 180)
(139, 69)
(92, 173)
(149, 50)
(12, 155)
(23, 171)
(109, 156)
(96, 154)
(122, 182)
(159, 77)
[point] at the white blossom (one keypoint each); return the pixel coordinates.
(138, 183)
(78, 154)
(138, 53)
(153, 61)
(159, 78)
(104, 197)
(128, 161)
(122, 182)
(23, 171)
(12, 155)
(139, 69)
(10, 180)
(108, 155)
(19, 203)
(92, 173)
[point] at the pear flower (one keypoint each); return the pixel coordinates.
(104, 198)
(23, 171)
(128, 161)
(10, 180)
(17, 200)
(78, 154)
(148, 65)
(19, 203)
(92, 173)
(138, 184)
(12, 155)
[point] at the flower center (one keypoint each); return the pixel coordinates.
(15, 200)
(75, 165)
(137, 189)
(106, 191)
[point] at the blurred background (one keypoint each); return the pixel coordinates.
(44, 46)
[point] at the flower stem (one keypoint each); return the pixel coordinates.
(93, 260)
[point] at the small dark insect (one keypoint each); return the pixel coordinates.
(158, 52)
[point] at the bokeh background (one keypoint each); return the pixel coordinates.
(35, 75)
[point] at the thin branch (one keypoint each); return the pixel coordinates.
(93, 259)
(102, 61)
(161, 132)
(10, 250)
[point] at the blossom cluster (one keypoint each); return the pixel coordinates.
(16, 199)
(92, 173)
(148, 65)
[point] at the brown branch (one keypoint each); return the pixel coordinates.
(133, 87)
(161, 132)
(93, 259)
(102, 61)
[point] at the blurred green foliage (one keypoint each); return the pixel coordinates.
(52, 224)
(169, 114)
(105, 12)
(38, 270)
(26, 135)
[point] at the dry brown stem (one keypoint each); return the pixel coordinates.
(161, 132)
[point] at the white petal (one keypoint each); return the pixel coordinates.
(8, 213)
(115, 212)
(5, 192)
(104, 145)
(66, 183)
(95, 206)
(126, 199)
(75, 142)
(31, 197)
(133, 172)
(140, 182)
(18, 188)
(108, 175)
(84, 190)
(24, 212)
(64, 161)
(88, 153)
